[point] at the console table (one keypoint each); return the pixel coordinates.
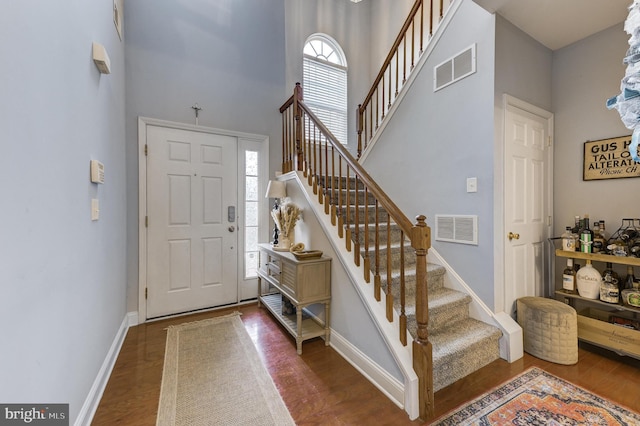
(304, 283)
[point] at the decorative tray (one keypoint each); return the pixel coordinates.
(307, 254)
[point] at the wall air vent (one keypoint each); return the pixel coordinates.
(457, 229)
(456, 68)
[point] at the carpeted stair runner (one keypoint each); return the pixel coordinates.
(461, 345)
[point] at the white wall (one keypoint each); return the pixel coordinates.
(436, 140)
(63, 276)
(228, 57)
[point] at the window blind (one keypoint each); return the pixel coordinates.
(325, 92)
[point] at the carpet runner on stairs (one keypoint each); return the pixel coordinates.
(461, 345)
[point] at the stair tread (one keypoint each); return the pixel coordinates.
(445, 297)
(433, 270)
(457, 337)
(440, 298)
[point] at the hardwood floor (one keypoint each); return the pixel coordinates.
(321, 388)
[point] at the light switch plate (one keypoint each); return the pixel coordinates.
(472, 184)
(95, 209)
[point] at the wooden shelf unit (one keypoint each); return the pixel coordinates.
(594, 316)
(304, 283)
(597, 257)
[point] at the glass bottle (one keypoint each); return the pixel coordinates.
(598, 240)
(603, 231)
(576, 225)
(586, 237)
(588, 281)
(568, 240)
(630, 278)
(609, 289)
(630, 295)
(569, 278)
(628, 234)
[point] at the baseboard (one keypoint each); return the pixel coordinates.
(92, 401)
(132, 318)
(512, 343)
(387, 384)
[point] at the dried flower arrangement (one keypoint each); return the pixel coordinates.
(286, 217)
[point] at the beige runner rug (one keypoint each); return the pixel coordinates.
(213, 375)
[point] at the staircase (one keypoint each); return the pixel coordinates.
(388, 248)
(461, 345)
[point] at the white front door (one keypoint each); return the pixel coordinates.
(191, 232)
(527, 202)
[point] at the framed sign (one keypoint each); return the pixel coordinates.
(609, 159)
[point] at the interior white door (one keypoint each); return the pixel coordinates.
(191, 235)
(527, 204)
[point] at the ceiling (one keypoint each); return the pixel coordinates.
(558, 23)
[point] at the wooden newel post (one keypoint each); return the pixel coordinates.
(422, 350)
(297, 113)
(359, 120)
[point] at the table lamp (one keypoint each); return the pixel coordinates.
(276, 189)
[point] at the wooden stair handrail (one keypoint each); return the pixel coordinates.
(398, 216)
(287, 104)
(399, 63)
(392, 51)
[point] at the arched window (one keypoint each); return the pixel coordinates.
(324, 82)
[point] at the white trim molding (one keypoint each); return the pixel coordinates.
(92, 400)
(386, 383)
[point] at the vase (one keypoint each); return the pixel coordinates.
(284, 244)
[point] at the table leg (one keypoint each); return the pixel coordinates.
(327, 329)
(259, 290)
(299, 329)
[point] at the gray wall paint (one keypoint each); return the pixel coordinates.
(349, 316)
(227, 56)
(63, 276)
(585, 74)
(437, 140)
(387, 17)
(523, 66)
(348, 24)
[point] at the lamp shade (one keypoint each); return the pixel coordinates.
(276, 189)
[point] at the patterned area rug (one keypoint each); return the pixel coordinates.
(538, 398)
(213, 375)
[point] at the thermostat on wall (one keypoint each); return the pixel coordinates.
(97, 172)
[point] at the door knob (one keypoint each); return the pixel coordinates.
(513, 236)
(232, 228)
